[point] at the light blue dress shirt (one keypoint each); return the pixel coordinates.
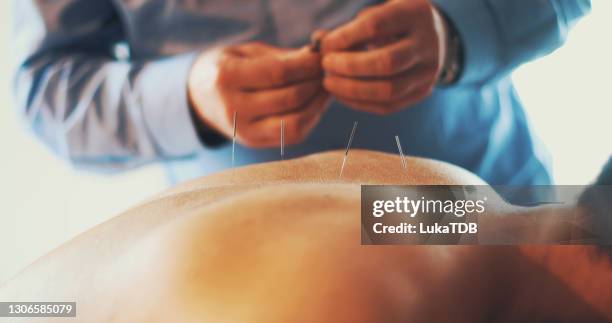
(104, 113)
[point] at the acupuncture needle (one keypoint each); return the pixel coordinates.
(399, 147)
(282, 138)
(348, 147)
(234, 139)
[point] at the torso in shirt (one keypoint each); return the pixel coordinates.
(159, 27)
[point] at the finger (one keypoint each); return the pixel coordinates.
(378, 90)
(271, 71)
(375, 22)
(266, 132)
(385, 61)
(389, 107)
(315, 40)
(283, 100)
(256, 49)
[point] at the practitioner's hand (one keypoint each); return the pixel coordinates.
(264, 85)
(388, 58)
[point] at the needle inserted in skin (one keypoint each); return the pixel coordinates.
(399, 147)
(234, 140)
(282, 138)
(348, 147)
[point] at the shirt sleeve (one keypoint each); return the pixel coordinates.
(499, 35)
(92, 109)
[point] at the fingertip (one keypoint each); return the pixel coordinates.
(313, 57)
(305, 50)
(327, 45)
(336, 40)
(301, 53)
(304, 64)
(328, 83)
(326, 62)
(330, 42)
(319, 34)
(330, 62)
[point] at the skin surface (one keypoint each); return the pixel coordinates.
(280, 242)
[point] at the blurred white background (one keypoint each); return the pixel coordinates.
(43, 202)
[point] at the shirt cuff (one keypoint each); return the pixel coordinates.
(476, 27)
(165, 105)
(571, 11)
(208, 137)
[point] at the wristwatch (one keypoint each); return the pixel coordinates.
(454, 55)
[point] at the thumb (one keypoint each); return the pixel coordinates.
(316, 38)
